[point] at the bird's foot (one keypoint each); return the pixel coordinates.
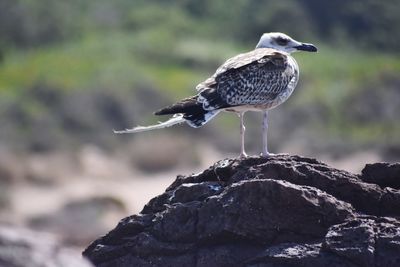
(243, 155)
(268, 154)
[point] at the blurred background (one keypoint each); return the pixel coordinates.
(72, 71)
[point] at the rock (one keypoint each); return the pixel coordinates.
(367, 241)
(79, 221)
(299, 255)
(382, 174)
(354, 240)
(282, 211)
(270, 212)
(48, 169)
(21, 247)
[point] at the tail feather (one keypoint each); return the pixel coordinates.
(187, 105)
(176, 119)
(199, 119)
(188, 110)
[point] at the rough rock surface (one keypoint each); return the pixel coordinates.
(283, 211)
(383, 174)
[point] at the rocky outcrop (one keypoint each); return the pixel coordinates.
(281, 211)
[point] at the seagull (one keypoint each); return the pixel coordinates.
(258, 80)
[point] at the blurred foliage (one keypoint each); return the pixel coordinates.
(73, 70)
(368, 23)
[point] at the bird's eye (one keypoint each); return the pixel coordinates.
(282, 41)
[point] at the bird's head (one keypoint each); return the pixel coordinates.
(283, 42)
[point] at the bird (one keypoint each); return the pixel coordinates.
(258, 80)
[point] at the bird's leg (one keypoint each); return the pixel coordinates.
(265, 152)
(242, 130)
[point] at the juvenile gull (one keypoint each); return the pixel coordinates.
(258, 80)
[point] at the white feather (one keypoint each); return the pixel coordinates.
(176, 119)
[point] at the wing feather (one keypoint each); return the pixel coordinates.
(239, 61)
(253, 78)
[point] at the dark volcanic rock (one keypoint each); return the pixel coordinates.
(269, 212)
(282, 211)
(382, 174)
(367, 241)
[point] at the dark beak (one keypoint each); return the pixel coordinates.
(307, 47)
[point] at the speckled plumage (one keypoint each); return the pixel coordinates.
(260, 79)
